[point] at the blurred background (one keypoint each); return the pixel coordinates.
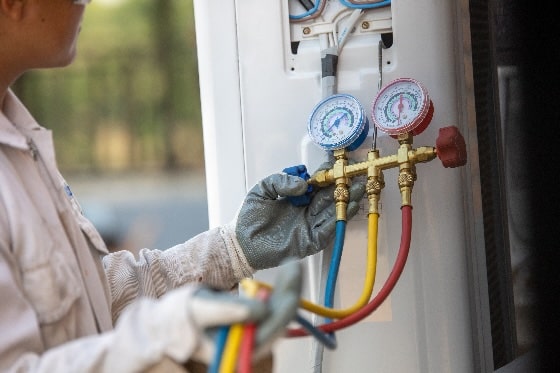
(126, 122)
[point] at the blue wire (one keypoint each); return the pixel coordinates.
(335, 263)
(327, 340)
(308, 13)
(365, 6)
(221, 338)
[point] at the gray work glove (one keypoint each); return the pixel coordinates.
(269, 228)
(210, 309)
(180, 324)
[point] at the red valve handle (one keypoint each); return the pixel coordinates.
(451, 147)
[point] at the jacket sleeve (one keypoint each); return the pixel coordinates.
(213, 258)
(162, 343)
(156, 345)
(150, 335)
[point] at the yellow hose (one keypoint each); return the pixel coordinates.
(228, 363)
(373, 220)
(229, 357)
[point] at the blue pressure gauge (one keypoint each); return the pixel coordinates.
(338, 122)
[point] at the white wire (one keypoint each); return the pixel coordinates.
(348, 26)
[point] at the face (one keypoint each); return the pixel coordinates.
(53, 27)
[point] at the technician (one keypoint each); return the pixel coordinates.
(66, 304)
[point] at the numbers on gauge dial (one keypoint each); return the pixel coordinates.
(336, 122)
(402, 106)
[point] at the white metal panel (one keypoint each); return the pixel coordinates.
(426, 324)
(220, 97)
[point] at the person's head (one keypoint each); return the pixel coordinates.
(38, 34)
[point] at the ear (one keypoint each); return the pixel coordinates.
(12, 9)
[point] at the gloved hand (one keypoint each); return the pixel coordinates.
(269, 228)
(210, 309)
(180, 324)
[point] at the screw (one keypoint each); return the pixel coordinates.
(306, 30)
(365, 25)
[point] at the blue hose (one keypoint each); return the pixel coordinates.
(221, 338)
(335, 263)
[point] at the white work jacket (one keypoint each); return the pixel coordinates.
(61, 291)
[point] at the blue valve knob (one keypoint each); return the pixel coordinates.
(301, 171)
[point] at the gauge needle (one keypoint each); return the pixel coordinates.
(336, 122)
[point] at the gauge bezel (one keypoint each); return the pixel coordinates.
(348, 142)
(417, 122)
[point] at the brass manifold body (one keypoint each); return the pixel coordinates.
(341, 173)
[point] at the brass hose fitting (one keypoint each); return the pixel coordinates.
(450, 149)
(341, 192)
(407, 172)
(375, 182)
(407, 177)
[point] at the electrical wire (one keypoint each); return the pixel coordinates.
(380, 47)
(311, 13)
(365, 4)
(347, 29)
(317, 14)
(390, 283)
(340, 15)
(307, 4)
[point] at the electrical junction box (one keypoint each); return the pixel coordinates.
(260, 78)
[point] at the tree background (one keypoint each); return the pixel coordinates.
(130, 100)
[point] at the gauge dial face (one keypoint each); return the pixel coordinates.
(402, 106)
(336, 122)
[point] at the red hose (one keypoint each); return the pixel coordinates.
(390, 283)
(246, 349)
(244, 362)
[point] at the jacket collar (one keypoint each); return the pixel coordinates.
(13, 117)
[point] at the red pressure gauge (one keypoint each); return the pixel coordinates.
(402, 106)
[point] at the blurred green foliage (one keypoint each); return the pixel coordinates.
(131, 99)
